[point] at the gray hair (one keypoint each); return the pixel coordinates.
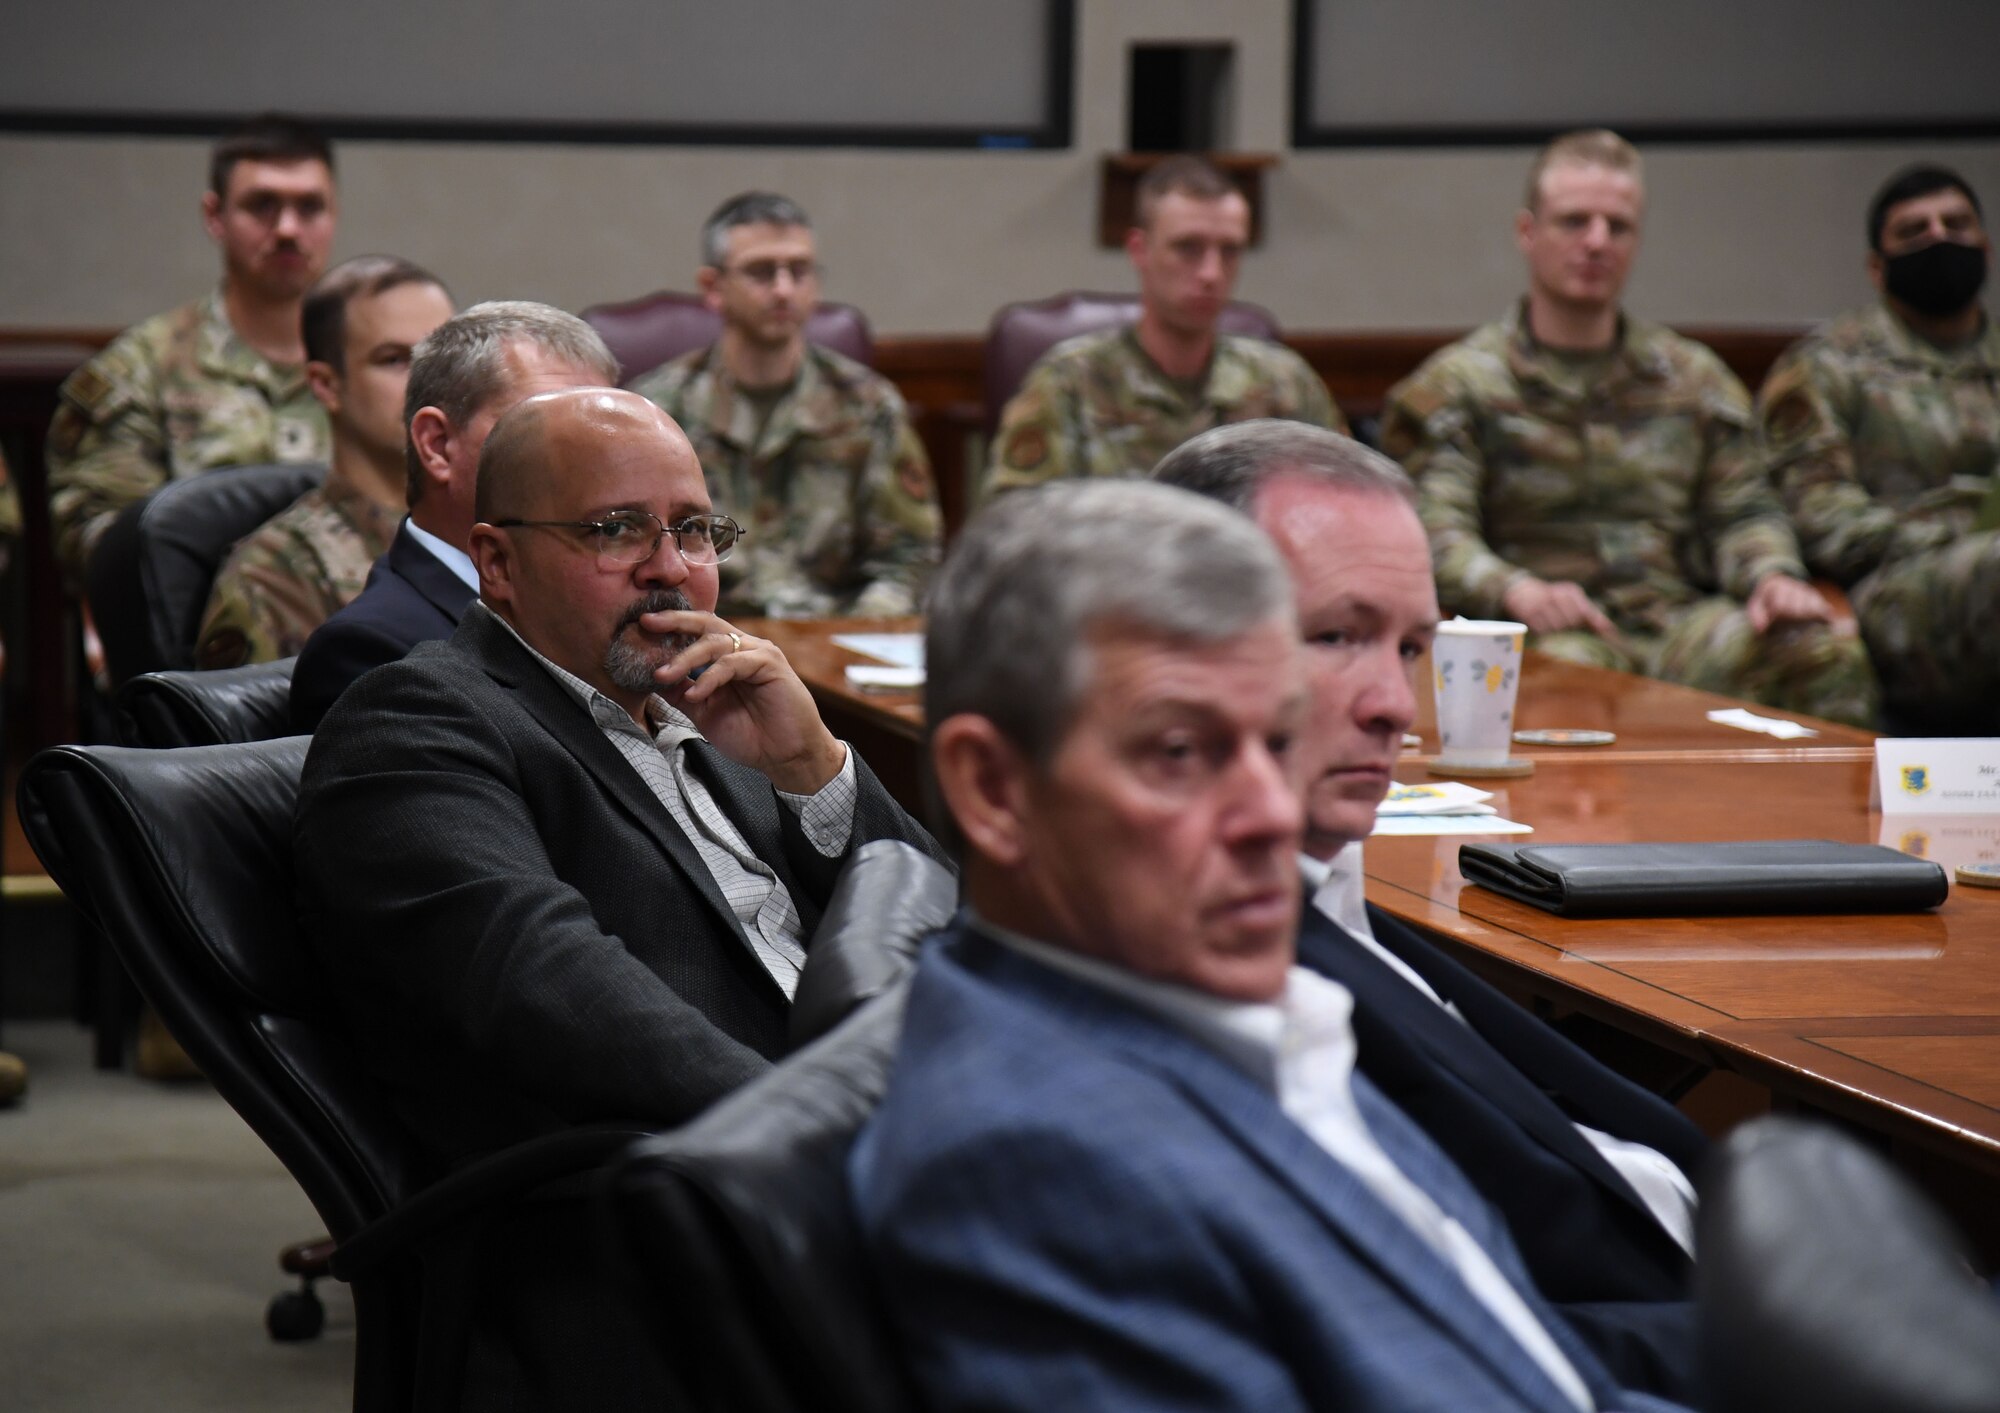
(1036, 572)
(463, 365)
(1231, 463)
(751, 208)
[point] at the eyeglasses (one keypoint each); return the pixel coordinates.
(628, 537)
(765, 272)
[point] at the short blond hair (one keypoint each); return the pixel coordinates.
(1586, 147)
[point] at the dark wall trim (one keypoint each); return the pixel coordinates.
(1054, 131)
(1307, 133)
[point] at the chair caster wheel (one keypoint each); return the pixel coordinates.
(294, 1315)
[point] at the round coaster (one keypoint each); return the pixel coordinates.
(1493, 770)
(1979, 875)
(1565, 736)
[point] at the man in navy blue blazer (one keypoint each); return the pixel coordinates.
(1124, 1160)
(1589, 1170)
(471, 369)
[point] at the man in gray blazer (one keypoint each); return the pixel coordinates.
(1124, 1159)
(552, 876)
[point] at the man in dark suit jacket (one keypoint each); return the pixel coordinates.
(1123, 1159)
(1588, 1168)
(469, 371)
(553, 879)
(549, 890)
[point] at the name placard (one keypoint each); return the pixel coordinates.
(1936, 775)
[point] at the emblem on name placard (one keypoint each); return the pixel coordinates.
(1916, 779)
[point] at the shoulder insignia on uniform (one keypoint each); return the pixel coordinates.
(1789, 413)
(87, 386)
(225, 647)
(1026, 448)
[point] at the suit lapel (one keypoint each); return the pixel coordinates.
(429, 576)
(1604, 1098)
(1390, 1014)
(558, 713)
(1250, 1115)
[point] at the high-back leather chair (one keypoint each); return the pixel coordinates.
(149, 575)
(167, 709)
(737, 1226)
(1828, 1283)
(889, 897)
(1021, 333)
(183, 859)
(646, 332)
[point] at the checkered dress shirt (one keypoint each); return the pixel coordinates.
(752, 888)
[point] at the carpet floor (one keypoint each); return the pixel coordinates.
(140, 1223)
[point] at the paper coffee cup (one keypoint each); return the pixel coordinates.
(1476, 675)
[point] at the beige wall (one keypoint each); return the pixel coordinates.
(100, 231)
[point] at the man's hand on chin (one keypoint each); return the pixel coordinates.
(747, 701)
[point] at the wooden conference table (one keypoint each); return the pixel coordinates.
(1889, 1021)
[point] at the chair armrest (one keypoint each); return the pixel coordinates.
(475, 1189)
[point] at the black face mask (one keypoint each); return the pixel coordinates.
(1941, 278)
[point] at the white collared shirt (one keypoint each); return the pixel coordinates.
(1339, 892)
(446, 553)
(1301, 1047)
(751, 887)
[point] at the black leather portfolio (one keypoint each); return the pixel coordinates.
(1674, 880)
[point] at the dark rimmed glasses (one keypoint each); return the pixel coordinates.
(628, 537)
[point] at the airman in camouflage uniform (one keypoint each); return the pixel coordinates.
(175, 396)
(1599, 478)
(810, 452)
(1097, 405)
(1115, 403)
(293, 573)
(1886, 446)
(834, 491)
(217, 382)
(361, 324)
(1636, 477)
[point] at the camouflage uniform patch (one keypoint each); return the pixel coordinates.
(293, 573)
(1637, 476)
(1096, 405)
(174, 396)
(1885, 448)
(836, 494)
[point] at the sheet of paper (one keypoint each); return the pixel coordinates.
(1435, 797)
(1448, 824)
(901, 649)
(1770, 725)
(865, 678)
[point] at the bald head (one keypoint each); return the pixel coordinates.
(542, 443)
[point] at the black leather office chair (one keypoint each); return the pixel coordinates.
(889, 898)
(183, 859)
(737, 1227)
(1828, 1283)
(150, 573)
(161, 710)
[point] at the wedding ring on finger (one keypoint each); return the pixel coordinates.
(735, 641)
